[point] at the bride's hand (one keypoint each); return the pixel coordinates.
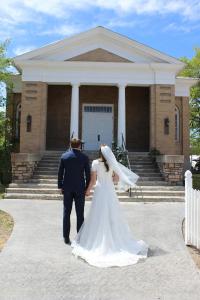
(87, 193)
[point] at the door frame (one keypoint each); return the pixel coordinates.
(99, 104)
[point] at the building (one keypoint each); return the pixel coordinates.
(100, 86)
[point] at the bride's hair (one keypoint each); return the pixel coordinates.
(103, 159)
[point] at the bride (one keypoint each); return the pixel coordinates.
(104, 239)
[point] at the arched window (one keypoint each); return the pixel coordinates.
(18, 121)
(28, 123)
(177, 124)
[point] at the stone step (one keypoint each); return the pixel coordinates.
(55, 191)
(132, 161)
(144, 177)
(141, 182)
(54, 172)
(49, 164)
(147, 174)
(141, 164)
(33, 191)
(139, 168)
(145, 167)
(121, 198)
(47, 168)
(54, 186)
(152, 183)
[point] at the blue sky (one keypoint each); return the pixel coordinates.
(169, 26)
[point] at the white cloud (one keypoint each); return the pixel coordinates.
(23, 49)
(117, 22)
(23, 10)
(15, 13)
(63, 30)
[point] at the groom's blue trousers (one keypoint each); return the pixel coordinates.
(79, 199)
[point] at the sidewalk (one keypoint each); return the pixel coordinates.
(35, 264)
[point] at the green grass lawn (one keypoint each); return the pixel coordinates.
(196, 181)
(6, 227)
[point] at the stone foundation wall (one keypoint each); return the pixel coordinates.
(171, 167)
(23, 166)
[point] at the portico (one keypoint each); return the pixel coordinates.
(100, 85)
(75, 117)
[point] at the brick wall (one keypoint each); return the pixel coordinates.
(34, 103)
(14, 100)
(162, 105)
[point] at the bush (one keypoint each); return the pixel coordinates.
(120, 154)
(153, 153)
(5, 165)
(196, 181)
(196, 168)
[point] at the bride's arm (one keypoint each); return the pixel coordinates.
(92, 183)
(115, 177)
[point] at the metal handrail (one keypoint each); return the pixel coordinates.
(129, 166)
(127, 158)
(72, 135)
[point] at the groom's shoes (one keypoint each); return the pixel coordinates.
(67, 241)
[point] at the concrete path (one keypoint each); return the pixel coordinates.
(35, 264)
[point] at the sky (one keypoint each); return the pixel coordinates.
(171, 26)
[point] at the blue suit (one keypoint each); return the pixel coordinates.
(73, 179)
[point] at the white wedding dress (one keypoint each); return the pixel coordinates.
(104, 239)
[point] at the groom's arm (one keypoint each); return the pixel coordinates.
(87, 172)
(60, 174)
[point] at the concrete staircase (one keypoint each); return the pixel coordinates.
(43, 185)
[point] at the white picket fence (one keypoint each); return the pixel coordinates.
(192, 213)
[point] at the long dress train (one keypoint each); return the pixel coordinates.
(104, 239)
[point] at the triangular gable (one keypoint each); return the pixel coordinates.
(99, 55)
(79, 46)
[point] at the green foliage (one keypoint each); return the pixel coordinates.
(5, 128)
(2, 190)
(153, 153)
(192, 69)
(195, 145)
(120, 154)
(196, 181)
(5, 74)
(5, 150)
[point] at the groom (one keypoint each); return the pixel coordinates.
(73, 180)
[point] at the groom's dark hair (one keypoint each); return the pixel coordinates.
(75, 143)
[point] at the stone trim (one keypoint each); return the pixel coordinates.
(171, 167)
(23, 166)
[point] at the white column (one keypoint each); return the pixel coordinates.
(121, 114)
(74, 121)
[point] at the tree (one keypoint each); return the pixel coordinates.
(5, 146)
(5, 74)
(192, 69)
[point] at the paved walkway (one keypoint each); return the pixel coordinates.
(36, 264)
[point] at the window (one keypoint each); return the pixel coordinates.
(103, 109)
(18, 121)
(177, 124)
(28, 123)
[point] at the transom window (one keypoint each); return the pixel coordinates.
(99, 109)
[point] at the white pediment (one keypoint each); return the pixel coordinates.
(98, 38)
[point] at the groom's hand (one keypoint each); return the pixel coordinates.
(62, 191)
